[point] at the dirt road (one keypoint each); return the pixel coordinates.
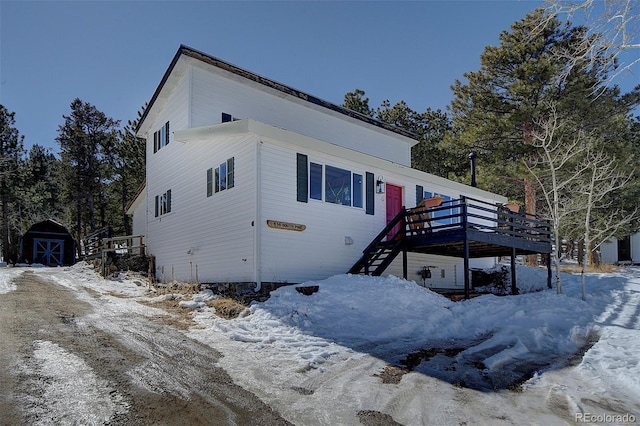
(71, 358)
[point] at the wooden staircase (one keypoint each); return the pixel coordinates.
(380, 253)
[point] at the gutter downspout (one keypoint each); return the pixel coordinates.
(257, 241)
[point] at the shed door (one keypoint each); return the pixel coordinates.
(48, 252)
(624, 249)
(394, 206)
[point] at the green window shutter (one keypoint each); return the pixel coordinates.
(168, 200)
(209, 182)
(167, 132)
(302, 181)
(230, 172)
(155, 142)
(370, 193)
(157, 205)
(419, 194)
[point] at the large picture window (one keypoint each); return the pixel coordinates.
(335, 185)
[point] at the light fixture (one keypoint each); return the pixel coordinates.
(380, 185)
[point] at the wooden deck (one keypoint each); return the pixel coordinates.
(465, 228)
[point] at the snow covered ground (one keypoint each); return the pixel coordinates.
(321, 359)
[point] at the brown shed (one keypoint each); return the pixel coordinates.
(48, 243)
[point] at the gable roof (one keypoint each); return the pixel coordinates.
(271, 84)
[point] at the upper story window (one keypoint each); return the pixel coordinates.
(222, 177)
(228, 117)
(163, 203)
(161, 137)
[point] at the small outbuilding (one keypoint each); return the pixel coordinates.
(48, 243)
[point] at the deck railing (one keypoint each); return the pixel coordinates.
(92, 243)
(462, 219)
(130, 244)
(479, 215)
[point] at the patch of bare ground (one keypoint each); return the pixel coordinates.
(376, 418)
(227, 308)
(392, 374)
(177, 316)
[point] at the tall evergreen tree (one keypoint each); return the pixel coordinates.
(39, 199)
(11, 152)
(493, 113)
(87, 139)
(357, 101)
(130, 153)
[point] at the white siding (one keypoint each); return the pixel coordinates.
(609, 251)
(453, 267)
(139, 220)
(320, 250)
(213, 94)
(213, 235)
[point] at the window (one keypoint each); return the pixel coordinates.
(446, 201)
(337, 186)
(221, 178)
(228, 117)
(357, 190)
(161, 137)
(163, 204)
(333, 185)
(315, 181)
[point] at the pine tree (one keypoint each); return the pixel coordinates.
(11, 152)
(87, 140)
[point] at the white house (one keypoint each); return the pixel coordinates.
(251, 181)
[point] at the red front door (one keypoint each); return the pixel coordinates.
(394, 206)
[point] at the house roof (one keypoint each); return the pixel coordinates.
(133, 202)
(213, 61)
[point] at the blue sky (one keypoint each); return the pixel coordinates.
(113, 54)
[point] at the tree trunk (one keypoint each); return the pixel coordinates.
(530, 208)
(5, 227)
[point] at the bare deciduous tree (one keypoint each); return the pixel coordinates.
(549, 171)
(613, 28)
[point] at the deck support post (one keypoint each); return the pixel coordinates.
(548, 255)
(467, 283)
(404, 261)
(404, 242)
(514, 287)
